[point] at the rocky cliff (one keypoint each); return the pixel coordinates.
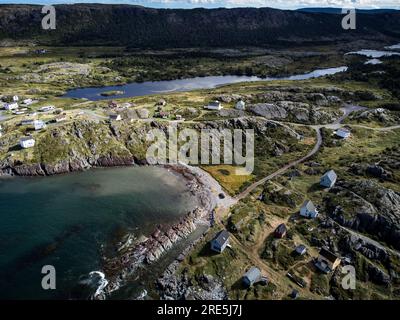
(367, 207)
(81, 145)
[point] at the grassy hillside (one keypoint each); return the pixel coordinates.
(160, 28)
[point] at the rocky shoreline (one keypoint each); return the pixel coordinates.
(134, 253)
(174, 286)
(67, 166)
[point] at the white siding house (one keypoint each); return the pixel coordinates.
(327, 261)
(46, 108)
(252, 276)
(309, 210)
(301, 250)
(27, 102)
(39, 124)
(328, 180)
(215, 105)
(27, 142)
(11, 106)
(240, 105)
(220, 241)
(343, 133)
(115, 117)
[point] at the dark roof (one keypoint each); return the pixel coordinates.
(221, 237)
(27, 138)
(294, 294)
(328, 255)
(301, 248)
(281, 229)
(214, 103)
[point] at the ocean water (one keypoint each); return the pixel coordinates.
(65, 221)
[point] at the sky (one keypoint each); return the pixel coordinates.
(281, 4)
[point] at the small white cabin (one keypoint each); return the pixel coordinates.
(39, 124)
(11, 106)
(115, 117)
(27, 142)
(220, 241)
(343, 133)
(27, 102)
(215, 105)
(328, 180)
(46, 108)
(240, 105)
(309, 210)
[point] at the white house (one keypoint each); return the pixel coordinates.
(11, 106)
(327, 261)
(220, 241)
(301, 250)
(126, 105)
(47, 108)
(27, 102)
(27, 142)
(309, 210)
(39, 124)
(328, 180)
(240, 105)
(343, 133)
(215, 105)
(252, 276)
(115, 117)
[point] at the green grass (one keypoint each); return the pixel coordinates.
(227, 176)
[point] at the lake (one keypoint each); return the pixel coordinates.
(66, 220)
(375, 53)
(157, 87)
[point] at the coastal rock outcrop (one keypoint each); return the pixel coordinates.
(293, 111)
(365, 206)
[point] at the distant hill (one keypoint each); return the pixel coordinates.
(135, 26)
(339, 10)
